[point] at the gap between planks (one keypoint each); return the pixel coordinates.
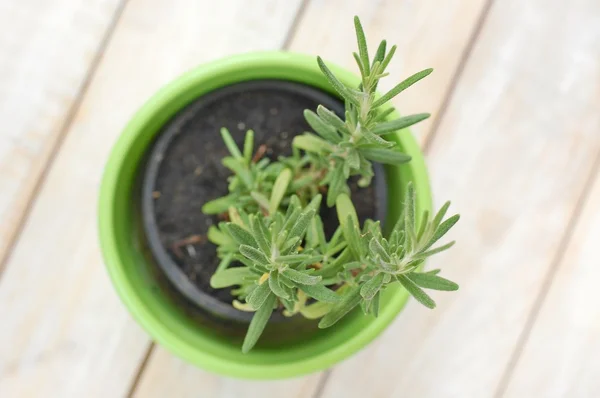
(322, 383)
(548, 280)
(141, 368)
(457, 75)
(144, 363)
(15, 235)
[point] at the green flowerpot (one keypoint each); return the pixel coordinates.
(122, 246)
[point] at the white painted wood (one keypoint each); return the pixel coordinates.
(166, 376)
(562, 355)
(513, 153)
(428, 33)
(46, 51)
(67, 334)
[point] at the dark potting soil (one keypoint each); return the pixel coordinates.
(191, 172)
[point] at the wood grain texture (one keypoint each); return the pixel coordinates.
(68, 334)
(166, 375)
(429, 34)
(46, 51)
(326, 28)
(513, 152)
(561, 357)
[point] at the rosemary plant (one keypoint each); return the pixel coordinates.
(274, 250)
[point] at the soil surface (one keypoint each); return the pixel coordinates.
(191, 173)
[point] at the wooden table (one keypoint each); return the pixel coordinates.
(514, 141)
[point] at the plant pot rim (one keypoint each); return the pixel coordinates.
(121, 253)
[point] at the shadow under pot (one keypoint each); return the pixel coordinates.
(184, 170)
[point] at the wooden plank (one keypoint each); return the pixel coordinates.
(167, 375)
(429, 34)
(64, 331)
(513, 151)
(562, 355)
(46, 52)
(326, 28)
